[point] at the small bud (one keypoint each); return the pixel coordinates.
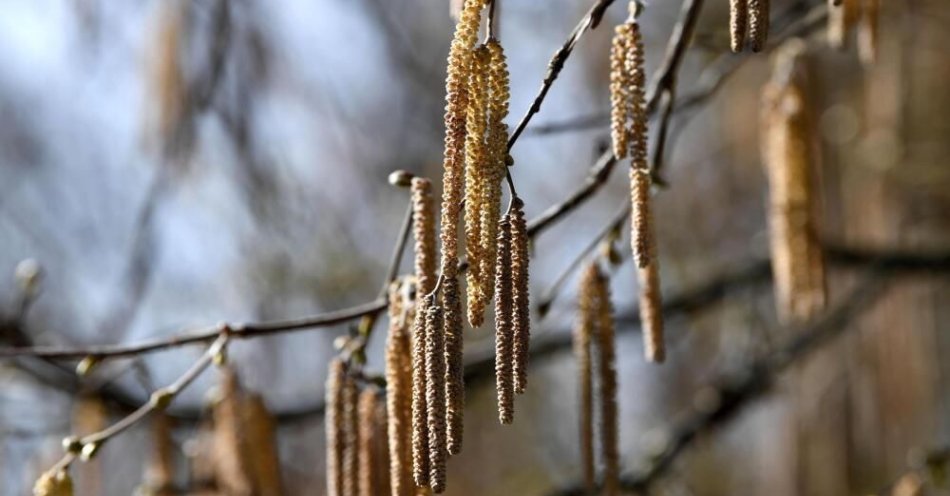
(86, 365)
(400, 178)
(220, 358)
(509, 160)
(71, 444)
(28, 274)
(89, 451)
(340, 342)
(161, 398)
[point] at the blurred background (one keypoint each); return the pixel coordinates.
(166, 164)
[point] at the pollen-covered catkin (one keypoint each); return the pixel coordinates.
(435, 396)
(619, 89)
(477, 178)
(423, 228)
(583, 332)
(738, 22)
(454, 369)
(758, 24)
(420, 410)
(504, 380)
(520, 300)
(335, 420)
(607, 374)
(399, 394)
(498, 81)
(797, 259)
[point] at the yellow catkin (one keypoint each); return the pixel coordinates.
(504, 380)
(868, 31)
(521, 318)
(498, 153)
(636, 97)
(460, 53)
(399, 395)
(373, 470)
(642, 236)
(335, 418)
(607, 375)
(738, 22)
(423, 228)
(454, 368)
(758, 24)
(420, 410)
(619, 90)
(57, 483)
(582, 335)
(435, 397)
(797, 260)
(477, 178)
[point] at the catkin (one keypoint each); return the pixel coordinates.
(504, 380)
(583, 332)
(520, 299)
(868, 31)
(636, 97)
(454, 368)
(477, 178)
(619, 89)
(460, 53)
(642, 236)
(841, 21)
(498, 152)
(738, 22)
(797, 260)
(423, 228)
(350, 436)
(373, 469)
(607, 375)
(335, 419)
(758, 24)
(420, 410)
(651, 314)
(399, 397)
(435, 396)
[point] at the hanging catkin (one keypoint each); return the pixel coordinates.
(423, 228)
(797, 261)
(477, 178)
(841, 21)
(350, 436)
(454, 369)
(335, 419)
(738, 22)
(420, 410)
(651, 314)
(399, 392)
(758, 24)
(521, 316)
(583, 332)
(620, 85)
(504, 380)
(373, 469)
(607, 375)
(868, 31)
(435, 396)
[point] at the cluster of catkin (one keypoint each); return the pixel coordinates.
(748, 23)
(358, 462)
(595, 331)
(845, 16)
(789, 157)
(629, 134)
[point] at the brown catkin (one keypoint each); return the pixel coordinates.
(583, 332)
(797, 260)
(636, 97)
(477, 179)
(335, 418)
(435, 396)
(738, 22)
(607, 375)
(350, 436)
(642, 236)
(399, 394)
(619, 90)
(521, 318)
(454, 368)
(504, 380)
(460, 53)
(758, 24)
(420, 410)
(868, 31)
(651, 312)
(423, 228)
(498, 151)
(373, 473)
